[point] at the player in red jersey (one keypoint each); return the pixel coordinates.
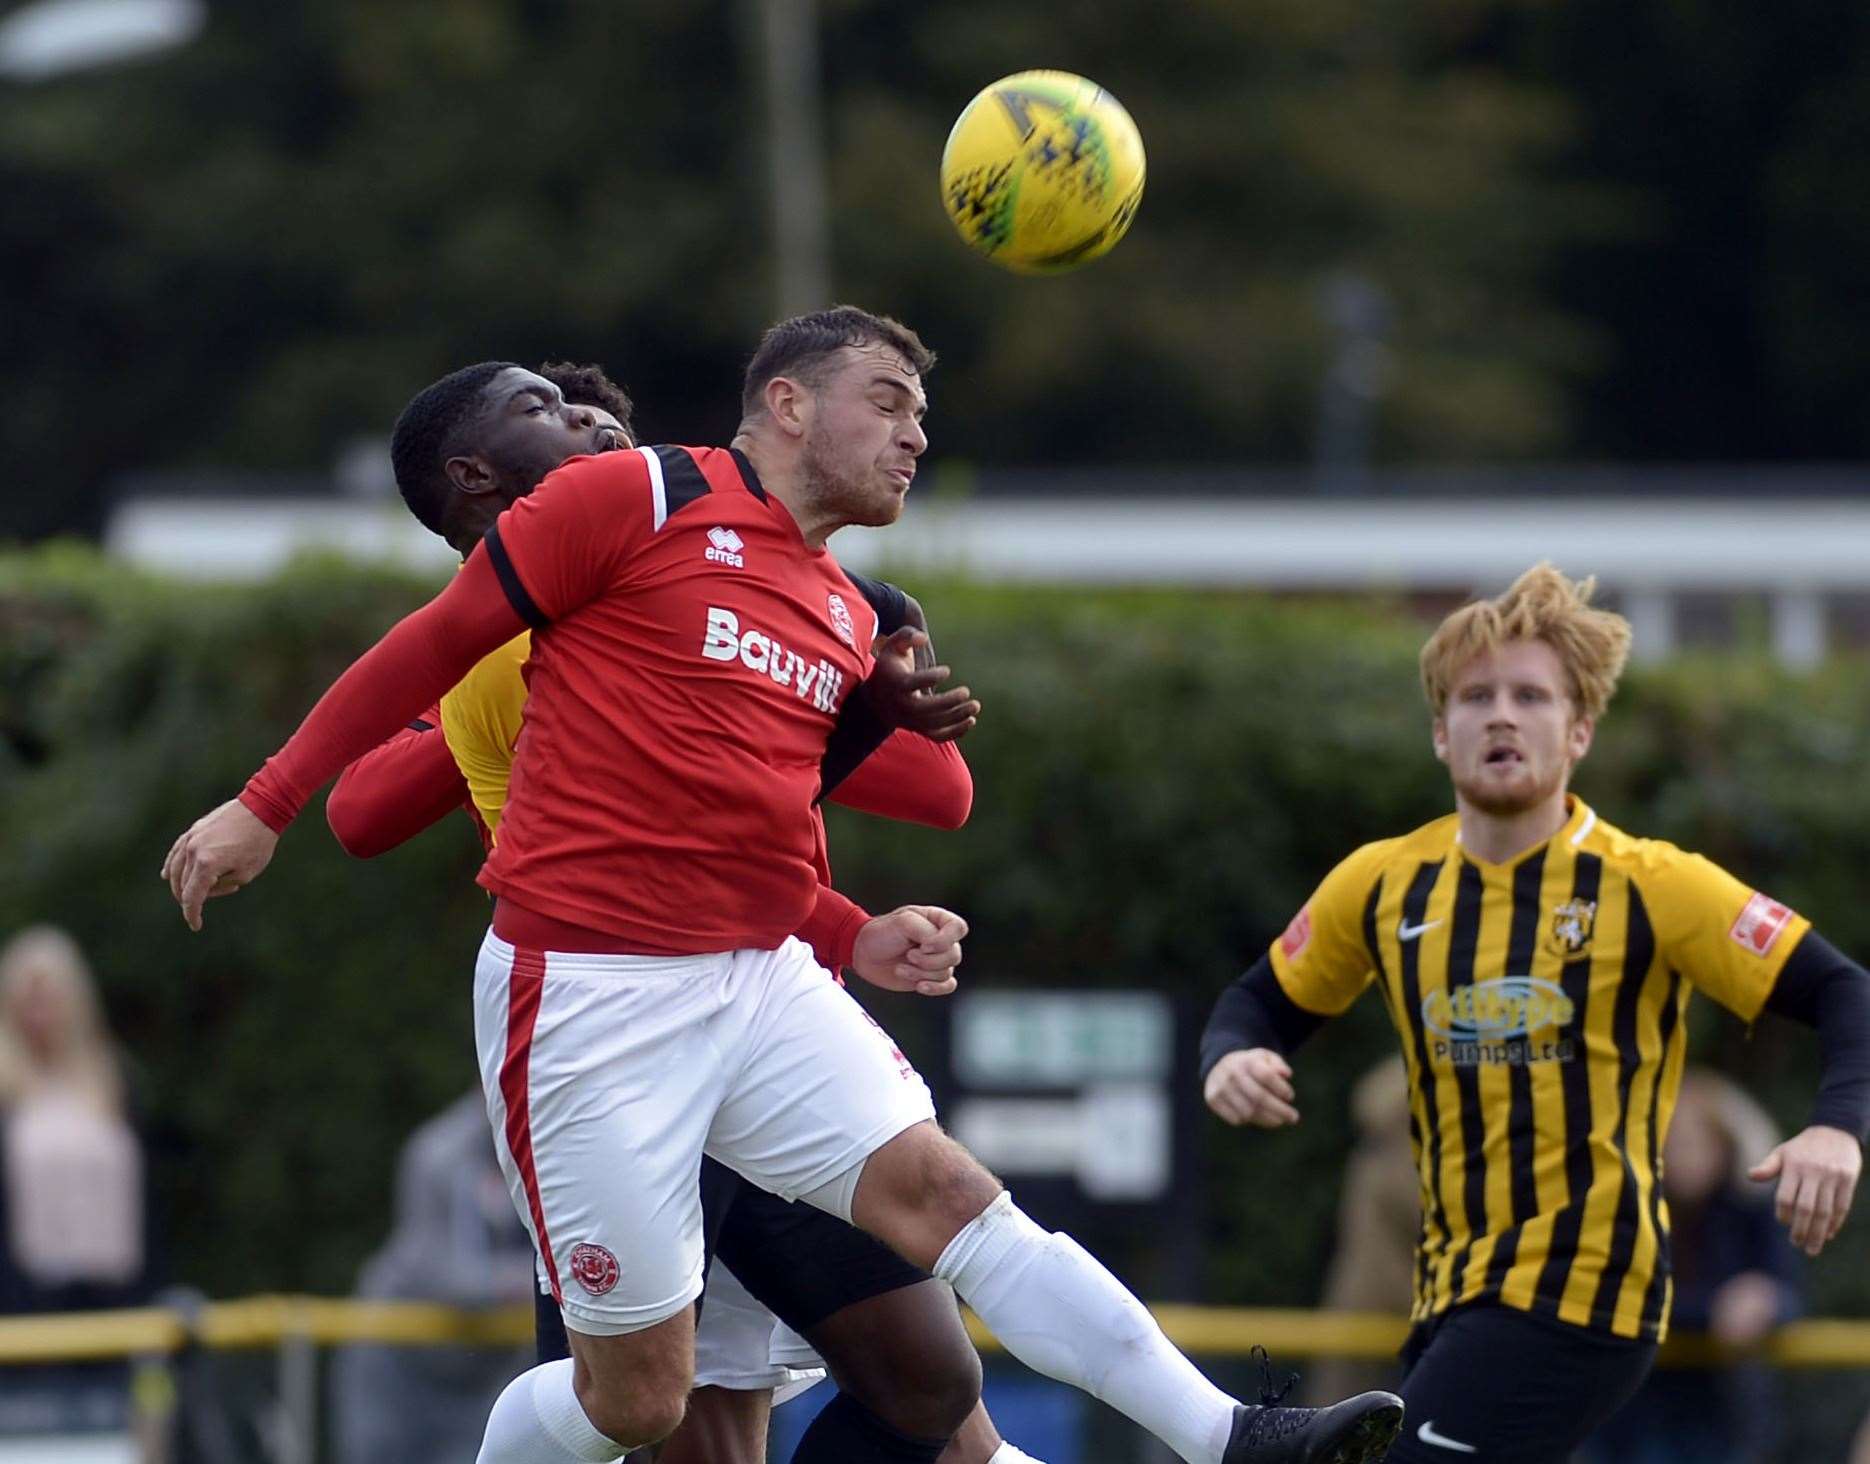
(638, 999)
(904, 1365)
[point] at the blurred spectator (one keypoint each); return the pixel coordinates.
(1379, 1215)
(455, 1239)
(72, 1210)
(1736, 1278)
(73, 1167)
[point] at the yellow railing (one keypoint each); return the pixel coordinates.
(272, 1321)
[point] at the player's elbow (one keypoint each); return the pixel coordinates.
(950, 815)
(356, 834)
(951, 802)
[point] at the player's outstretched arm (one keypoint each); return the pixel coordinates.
(1817, 1170)
(913, 948)
(425, 654)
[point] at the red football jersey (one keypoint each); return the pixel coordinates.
(689, 659)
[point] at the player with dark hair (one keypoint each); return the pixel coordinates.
(1537, 964)
(639, 999)
(586, 384)
(806, 348)
(903, 1363)
(497, 403)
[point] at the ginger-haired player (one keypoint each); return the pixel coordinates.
(1537, 964)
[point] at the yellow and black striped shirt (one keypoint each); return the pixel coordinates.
(1540, 1005)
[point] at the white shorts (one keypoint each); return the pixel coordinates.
(739, 1344)
(608, 1077)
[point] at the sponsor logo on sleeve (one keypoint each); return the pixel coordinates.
(1298, 935)
(1760, 924)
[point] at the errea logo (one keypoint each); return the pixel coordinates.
(724, 547)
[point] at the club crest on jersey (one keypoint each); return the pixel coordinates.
(594, 1268)
(818, 682)
(724, 547)
(1573, 924)
(841, 619)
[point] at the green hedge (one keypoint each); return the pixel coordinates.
(1160, 779)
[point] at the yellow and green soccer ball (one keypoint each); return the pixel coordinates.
(1042, 172)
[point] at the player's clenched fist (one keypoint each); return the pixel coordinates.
(221, 851)
(1252, 1085)
(913, 948)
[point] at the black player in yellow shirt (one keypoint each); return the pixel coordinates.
(1537, 964)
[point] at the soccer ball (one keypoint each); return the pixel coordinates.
(1042, 172)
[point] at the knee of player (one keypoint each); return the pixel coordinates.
(945, 1395)
(930, 1402)
(955, 1185)
(642, 1412)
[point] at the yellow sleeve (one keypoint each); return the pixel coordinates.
(1322, 961)
(481, 719)
(1730, 941)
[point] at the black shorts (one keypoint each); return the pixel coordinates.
(797, 1261)
(1493, 1383)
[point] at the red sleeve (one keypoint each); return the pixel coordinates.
(831, 929)
(913, 779)
(388, 686)
(568, 541)
(394, 792)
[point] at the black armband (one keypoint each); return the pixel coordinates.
(1254, 1011)
(1824, 988)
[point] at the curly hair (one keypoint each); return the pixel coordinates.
(1542, 604)
(801, 347)
(588, 386)
(424, 432)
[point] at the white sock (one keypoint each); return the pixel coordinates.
(1056, 1309)
(538, 1419)
(1008, 1454)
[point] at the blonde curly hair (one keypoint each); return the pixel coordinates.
(1542, 604)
